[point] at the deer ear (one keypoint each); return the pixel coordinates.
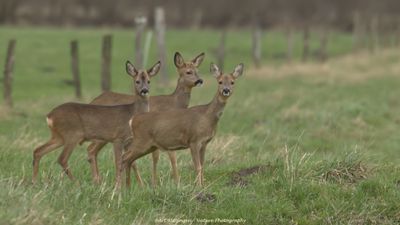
(198, 60)
(178, 60)
(154, 69)
(215, 70)
(238, 71)
(130, 69)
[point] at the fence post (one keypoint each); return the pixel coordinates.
(306, 44)
(8, 70)
(106, 63)
(140, 22)
(322, 52)
(374, 28)
(397, 32)
(289, 40)
(75, 68)
(357, 31)
(220, 51)
(257, 34)
(160, 35)
(197, 19)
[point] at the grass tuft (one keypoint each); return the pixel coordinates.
(349, 170)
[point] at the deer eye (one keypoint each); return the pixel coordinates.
(137, 82)
(220, 82)
(148, 82)
(188, 72)
(232, 82)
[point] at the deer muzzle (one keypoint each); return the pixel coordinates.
(226, 92)
(144, 92)
(198, 82)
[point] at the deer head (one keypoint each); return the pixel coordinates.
(226, 81)
(188, 71)
(141, 78)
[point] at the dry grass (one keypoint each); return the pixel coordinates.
(25, 139)
(35, 217)
(296, 112)
(223, 148)
(351, 68)
(5, 112)
(360, 219)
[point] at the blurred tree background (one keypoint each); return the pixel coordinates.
(196, 14)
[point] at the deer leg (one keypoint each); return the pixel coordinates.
(118, 146)
(202, 157)
(156, 156)
(64, 156)
(42, 150)
(128, 168)
(195, 151)
(128, 175)
(137, 175)
(133, 152)
(93, 150)
(175, 173)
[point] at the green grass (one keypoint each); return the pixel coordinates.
(330, 142)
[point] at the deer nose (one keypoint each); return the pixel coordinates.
(198, 82)
(226, 92)
(144, 91)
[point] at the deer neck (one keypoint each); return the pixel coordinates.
(141, 104)
(216, 107)
(182, 94)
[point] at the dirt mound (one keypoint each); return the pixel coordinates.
(346, 173)
(205, 197)
(238, 178)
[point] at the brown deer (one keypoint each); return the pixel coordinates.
(180, 128)
(74, 123)
(188, 78)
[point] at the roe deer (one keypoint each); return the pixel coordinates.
(188, 78)
(75, 123)
(180, 128)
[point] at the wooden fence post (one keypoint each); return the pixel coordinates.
(306, 43)
(197, 19)
(106, 63)
(289, 40)
(257, 34)
(322, 52)
(220, 51)
(160, 27)
(374, 29)
(75, 68)
(140, 22)
(357, 31)
(146, 48)
(397, 32)
(8, 70)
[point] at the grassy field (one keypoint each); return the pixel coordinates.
(325, 137)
